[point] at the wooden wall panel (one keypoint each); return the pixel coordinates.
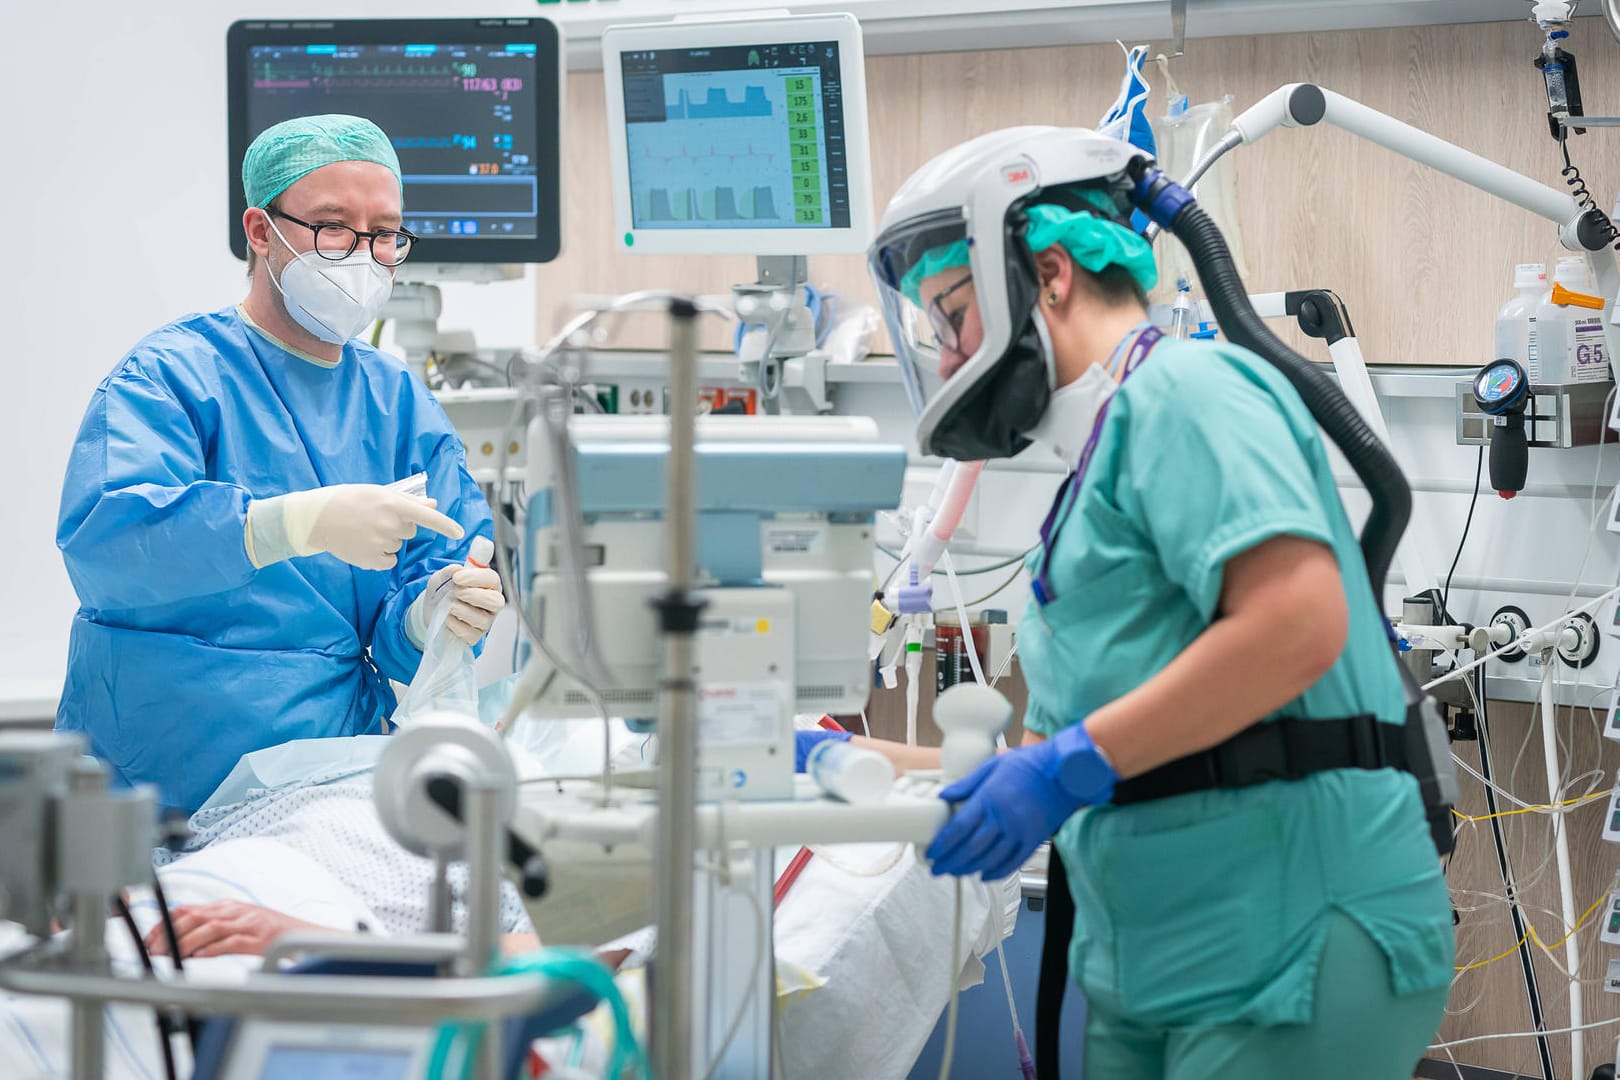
(1492, 998)
(1421, 261)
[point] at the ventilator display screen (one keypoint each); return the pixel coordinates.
(736, 137)
(470, 106)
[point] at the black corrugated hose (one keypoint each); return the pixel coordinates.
(1366, 453)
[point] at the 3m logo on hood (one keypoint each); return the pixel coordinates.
(1018, 175)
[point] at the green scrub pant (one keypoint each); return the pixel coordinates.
(1359, 1031)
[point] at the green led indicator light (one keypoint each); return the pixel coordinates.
(629, 239)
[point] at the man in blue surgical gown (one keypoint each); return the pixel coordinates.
(245, 575)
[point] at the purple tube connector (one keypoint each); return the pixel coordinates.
(914, 597)
(1026, 1063)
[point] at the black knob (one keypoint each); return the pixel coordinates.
(535, 877)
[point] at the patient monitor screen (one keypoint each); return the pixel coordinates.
(325, 1063)
(737, 137)
(461, 118)
(472, 108)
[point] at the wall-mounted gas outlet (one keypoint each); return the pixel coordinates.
(1516, 620)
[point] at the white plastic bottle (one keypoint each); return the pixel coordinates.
(1516, 322)
(851, 773)
(1569, 338)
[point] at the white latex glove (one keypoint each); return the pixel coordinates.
(477, 600)
(365, 525)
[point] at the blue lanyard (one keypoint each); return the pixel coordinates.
(1143, 344)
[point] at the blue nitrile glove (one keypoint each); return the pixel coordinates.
(806, 741)
(1016, 800)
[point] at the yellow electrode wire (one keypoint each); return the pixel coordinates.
(1531, 935)
(1536, 809)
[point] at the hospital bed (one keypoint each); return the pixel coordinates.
(858, 924)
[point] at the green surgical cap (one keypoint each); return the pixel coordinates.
(934, 261)
(291, 150)
(1093, 242)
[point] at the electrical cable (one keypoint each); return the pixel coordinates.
(992, 594)
(165, 1024)
(971, 571)
(1445, 593)
(1534, 938)
(1543, 809)
(1525, 1034)
(956, 997)
(1532, 988)
(193, 1026)
(1583, 197)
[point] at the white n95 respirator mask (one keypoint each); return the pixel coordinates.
(333, 299)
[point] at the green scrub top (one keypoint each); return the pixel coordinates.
(1213, 907)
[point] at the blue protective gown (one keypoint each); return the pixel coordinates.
(183, 656)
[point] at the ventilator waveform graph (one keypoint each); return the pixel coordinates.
(735, 149)
(716, 105)
(717, 204)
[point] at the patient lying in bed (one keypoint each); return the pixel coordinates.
(315, 797)
(292, 846)
(334, 823)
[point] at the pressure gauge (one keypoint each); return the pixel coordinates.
(1501, 386)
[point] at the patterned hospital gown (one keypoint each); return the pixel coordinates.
(334, 822)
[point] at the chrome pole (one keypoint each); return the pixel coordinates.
(671, 1004)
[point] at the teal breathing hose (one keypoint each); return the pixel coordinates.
(574, 965)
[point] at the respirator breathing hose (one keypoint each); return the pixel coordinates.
(1174, 208)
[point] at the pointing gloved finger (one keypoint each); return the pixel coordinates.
(422, 513)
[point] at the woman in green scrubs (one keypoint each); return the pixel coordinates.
(1199, 600)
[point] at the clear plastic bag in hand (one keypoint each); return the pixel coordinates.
(447, 678)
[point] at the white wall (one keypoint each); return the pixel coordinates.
(114, 189)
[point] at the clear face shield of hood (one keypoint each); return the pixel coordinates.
(924, 311)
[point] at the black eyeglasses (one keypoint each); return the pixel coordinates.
(947, 326)
(389, 247)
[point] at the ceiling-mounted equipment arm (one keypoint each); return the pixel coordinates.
(1305, 105)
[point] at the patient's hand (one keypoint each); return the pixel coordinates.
(225, 928)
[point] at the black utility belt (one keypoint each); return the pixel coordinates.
(1288, 748)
